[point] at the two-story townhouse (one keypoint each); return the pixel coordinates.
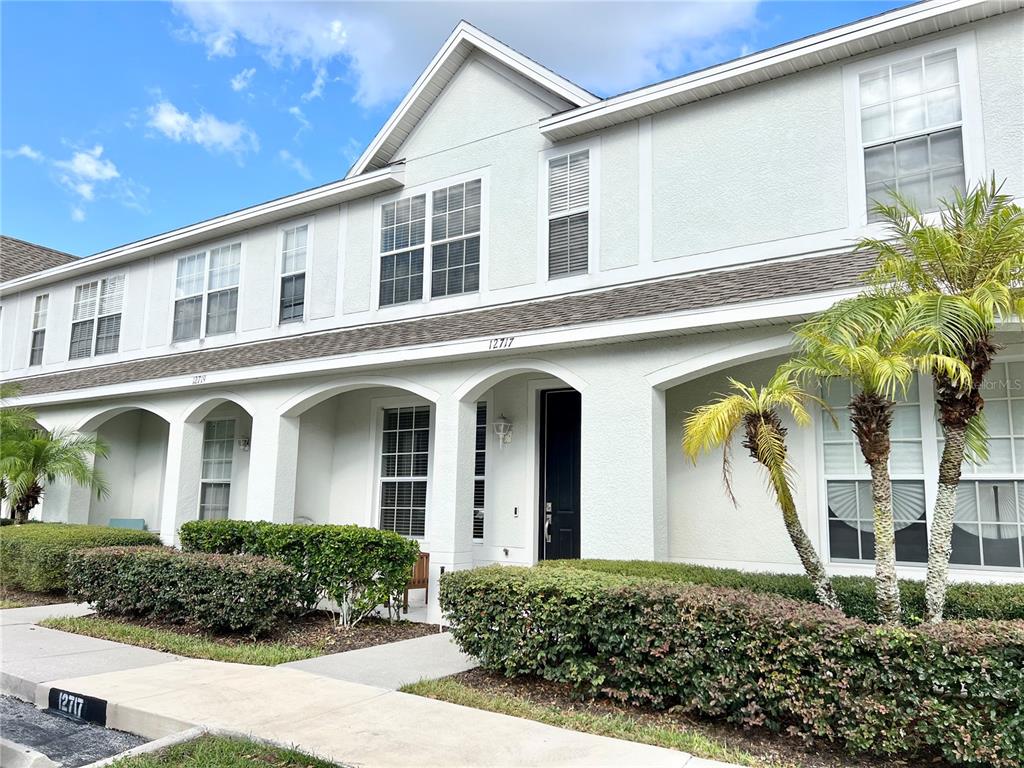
(487, 334)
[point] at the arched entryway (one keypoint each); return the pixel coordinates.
(216, 463)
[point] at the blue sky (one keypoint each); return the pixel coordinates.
(123, 120)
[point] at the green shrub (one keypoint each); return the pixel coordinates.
(34, 557)
(956, 689)
(967, 600)
(357, 568)
(236, 593)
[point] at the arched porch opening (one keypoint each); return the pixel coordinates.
(215, 466)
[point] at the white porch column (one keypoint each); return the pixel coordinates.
(273, 462)
(450, 501)
(622, 472)
(180, 501)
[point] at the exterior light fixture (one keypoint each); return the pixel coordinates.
(243, 443)
(503, 429)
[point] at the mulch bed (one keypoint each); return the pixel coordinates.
(32, 598)
(314, 630)
(770, 747)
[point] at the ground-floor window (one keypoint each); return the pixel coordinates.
(989, 520)
(218, 453)
(480, 470)
(404, 466)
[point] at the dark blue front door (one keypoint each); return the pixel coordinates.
(560, 479)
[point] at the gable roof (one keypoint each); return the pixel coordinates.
(19, 258)
(460, 44)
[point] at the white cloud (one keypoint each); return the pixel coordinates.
(24, 151)
(383, 46)
(77, 214)
(295, 164)
(242, 80)
(300, 116)
(207, 131)
(89, 165)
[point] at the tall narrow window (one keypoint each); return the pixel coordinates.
(39, 329)
(911, 123)
(569, 214)
(405, 460)
(207, 279)
(480, 470)
(402, 234)
(293, 275)
(455, 239)
(96, 317)
(218, 453)
(851, 529)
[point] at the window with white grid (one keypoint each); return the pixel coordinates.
(911, 130)
(569, 214)
(218, 456)
(455, 239)
(403, 228)
(96, 317)
(851, 533)
(480, 470)
(293, 274)
(206, 293)
(39, 313)
(404, 466)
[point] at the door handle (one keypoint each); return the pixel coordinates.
(547, 522)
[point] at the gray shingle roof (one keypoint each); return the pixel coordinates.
(681, 294)
(19, 258)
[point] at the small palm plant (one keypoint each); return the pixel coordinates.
(874, 342)
(755, 411)
(968, 268)
(31, 458)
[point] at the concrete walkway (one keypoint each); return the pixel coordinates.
(394, 664)
(155, 694)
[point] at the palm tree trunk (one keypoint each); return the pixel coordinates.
(805, 550)
(27, 503)
(887, 590)
(940, 543)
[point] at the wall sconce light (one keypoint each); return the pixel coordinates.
(243, 443)
(503, 429)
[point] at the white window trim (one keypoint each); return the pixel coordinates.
(592, 145)
(930, 433)
(96, 316)
(205, 250)
(377, 407)
(280, 274)
(35, 329)
(971, 127)
(234, 465)
(455, 301)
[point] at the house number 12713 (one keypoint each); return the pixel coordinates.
(501, 342)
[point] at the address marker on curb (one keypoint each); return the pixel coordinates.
(78, 706)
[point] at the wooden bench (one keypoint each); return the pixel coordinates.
(420, 580)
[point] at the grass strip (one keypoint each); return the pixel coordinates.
(5, 603)
(610, 724)
(220, 752)
(196, 647)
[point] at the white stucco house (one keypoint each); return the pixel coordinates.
(487, 334)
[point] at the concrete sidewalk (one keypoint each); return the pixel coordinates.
(155, 694)
(392, 665)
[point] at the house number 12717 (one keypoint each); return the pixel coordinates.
(501, 342)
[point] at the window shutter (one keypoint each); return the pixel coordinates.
(85, 301)
(578, 250)
(558, 185)
(112, 295)
(579, 180)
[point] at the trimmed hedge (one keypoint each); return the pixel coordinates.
(964, 600)
(235, 593)
(956, 689)
(34, 557)
(358, 568)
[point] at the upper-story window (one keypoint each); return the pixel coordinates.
(293, 274)
(39, 312)
(569, 214)
(911, 125)
(455, 239)
(206, 286)
(403, 230)
(96, 317)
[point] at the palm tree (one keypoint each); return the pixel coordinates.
(969, 268)
(32, 458)
(756, 411)
(874, 342)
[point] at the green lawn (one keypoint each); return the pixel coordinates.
(255, 652)
(614, 725)
(219, 752)
(6, 603)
